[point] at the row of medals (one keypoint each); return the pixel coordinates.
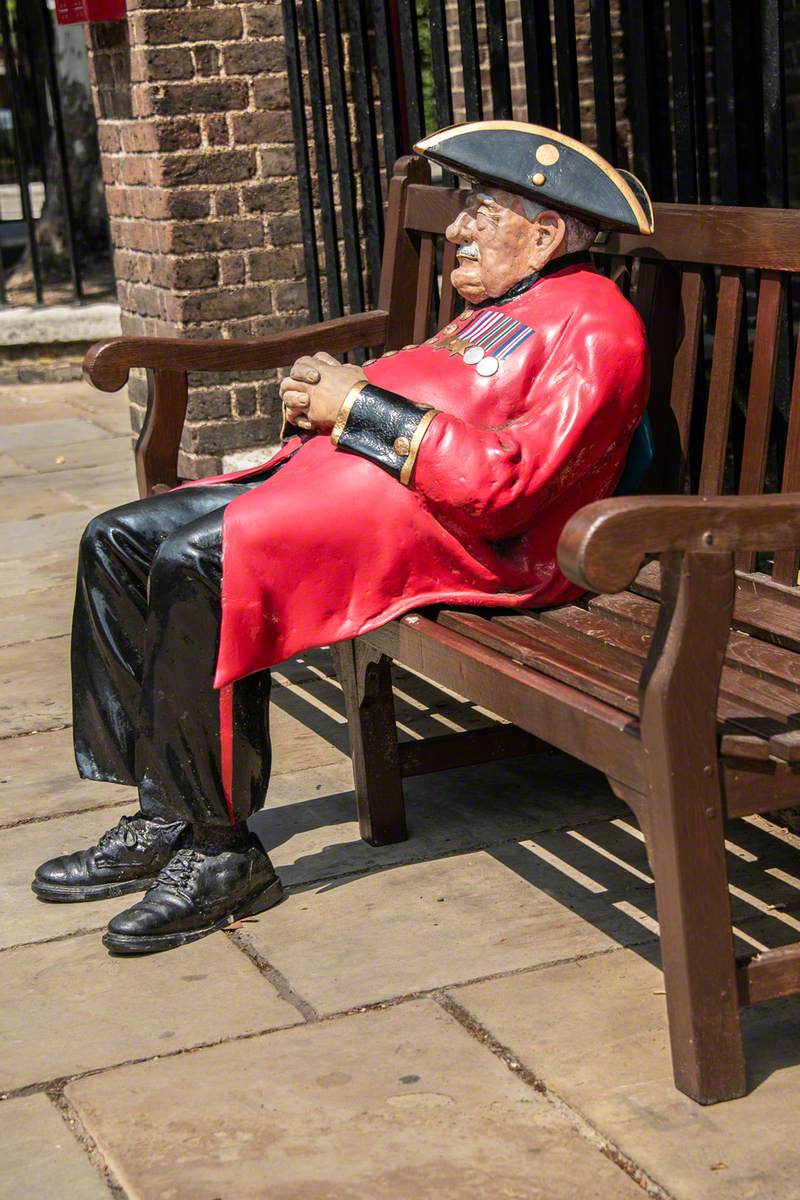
(474, 356)
(484, 364)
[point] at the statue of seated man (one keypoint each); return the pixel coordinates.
(439, 474)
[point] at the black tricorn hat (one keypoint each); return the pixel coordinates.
(546, 167)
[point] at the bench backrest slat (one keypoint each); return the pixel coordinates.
(693, 284)
(425, 280)
(720, 388)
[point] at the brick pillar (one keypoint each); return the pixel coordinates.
(196, 143)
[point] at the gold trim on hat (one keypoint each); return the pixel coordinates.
(431, 142)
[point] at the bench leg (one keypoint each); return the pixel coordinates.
(686, 830)
(365, 676)
(688, 860)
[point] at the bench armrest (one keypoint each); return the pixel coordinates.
(602, 546)
(168, 362)
(108, 363)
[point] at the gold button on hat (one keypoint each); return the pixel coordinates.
(402, 446)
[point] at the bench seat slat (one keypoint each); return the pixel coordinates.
(609, 675)
(745, 701)
(575, 647)
(745, 653)
(762, 615)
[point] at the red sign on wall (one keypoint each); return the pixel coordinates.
(70, 12)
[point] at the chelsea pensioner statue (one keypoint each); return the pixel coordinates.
(440, 474)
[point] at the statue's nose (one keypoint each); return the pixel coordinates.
(459, 230)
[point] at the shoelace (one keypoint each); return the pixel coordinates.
(179, 870)
(124, 831)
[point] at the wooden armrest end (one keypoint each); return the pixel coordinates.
(602, 547)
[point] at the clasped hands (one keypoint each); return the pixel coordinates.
(315, 389)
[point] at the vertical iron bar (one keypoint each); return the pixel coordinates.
(19, 144)
(387, 86)
(470, 61)
(344, 157)
(774, 104)
(316, 89)
(603, 77)
(440, 63)
(646, 69)
(61, 147)
(361, 77)
(409, 49)
(497, 34)
(725, 78)
(700, 113)
(569, 112)
(683, 100)
(440, 69)
(538, 55)
(302, 163)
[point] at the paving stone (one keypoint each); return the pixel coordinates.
(408, 928)
(28, 405)
(56, 531)
(34, 686)
(595, 1032)
(396, 1104)
(108, 410)
(23, 917)
(41, 1156)
(74, 392)
(96, 488)
(31, 435)
(9, 467)
(68, 456)
(53, 568)
(30, 499)
(296, 745)
(309, 824)
(78, 1008)
(38, 778)
(37, 615)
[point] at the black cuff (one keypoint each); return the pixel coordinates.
(384, 427)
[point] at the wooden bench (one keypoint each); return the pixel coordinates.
(678, 678)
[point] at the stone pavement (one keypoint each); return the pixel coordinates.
(477, 1012)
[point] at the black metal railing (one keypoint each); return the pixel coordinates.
(689, 94)
(36, 183)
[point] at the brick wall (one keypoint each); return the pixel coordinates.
(196, 144)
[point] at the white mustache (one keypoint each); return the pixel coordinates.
(468, 250)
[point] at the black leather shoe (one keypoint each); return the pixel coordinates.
(200, 890)
(126, 859)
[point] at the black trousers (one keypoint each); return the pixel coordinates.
(145, 638)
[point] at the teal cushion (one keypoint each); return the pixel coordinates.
(640, 457)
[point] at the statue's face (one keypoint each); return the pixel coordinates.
(498, 245)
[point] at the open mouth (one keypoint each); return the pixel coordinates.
(469, 251)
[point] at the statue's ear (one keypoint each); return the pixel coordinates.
(550, 230)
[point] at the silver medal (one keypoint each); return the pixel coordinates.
(487, 365)
(473, 355)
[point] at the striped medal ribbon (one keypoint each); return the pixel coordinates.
(492, 336)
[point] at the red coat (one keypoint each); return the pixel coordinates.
(333, 546)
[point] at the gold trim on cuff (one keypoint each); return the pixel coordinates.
(344, 411)
(416, 442)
